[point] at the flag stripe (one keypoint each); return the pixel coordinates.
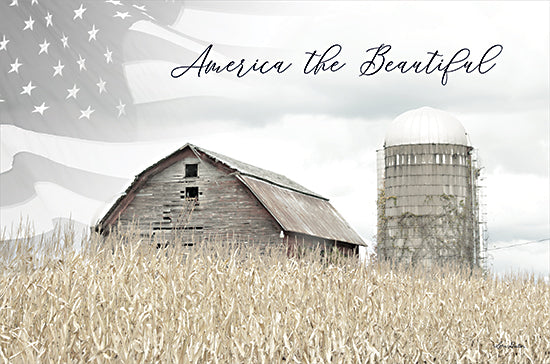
(52, 201)
(17, 185)
(122, 160)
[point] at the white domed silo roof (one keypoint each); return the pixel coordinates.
(426, 125)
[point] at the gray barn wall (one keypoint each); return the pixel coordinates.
(295, 241)
(225, 208)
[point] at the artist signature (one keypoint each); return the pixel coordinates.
(511, 345)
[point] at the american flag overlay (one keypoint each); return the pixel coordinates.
(62, 63)
(84, 82)
(62, 85)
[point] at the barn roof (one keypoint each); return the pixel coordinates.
(302, 213)
(293, 206)
(250, 170)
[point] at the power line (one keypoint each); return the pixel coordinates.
(518, 244)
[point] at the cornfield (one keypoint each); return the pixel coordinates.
(121, 300)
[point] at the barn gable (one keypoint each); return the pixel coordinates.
(202, 193)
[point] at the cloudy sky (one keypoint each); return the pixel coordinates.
(323, 130)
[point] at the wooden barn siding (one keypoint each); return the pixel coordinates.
(226, 209)
(293, 240)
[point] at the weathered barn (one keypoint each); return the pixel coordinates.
(200, 195)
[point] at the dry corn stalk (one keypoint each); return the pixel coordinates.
(122, 300)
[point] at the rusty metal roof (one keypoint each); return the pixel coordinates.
(260, 173)
(301, 213)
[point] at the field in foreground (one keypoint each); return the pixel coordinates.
(228, 303)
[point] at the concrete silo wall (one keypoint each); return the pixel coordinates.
(427, 204)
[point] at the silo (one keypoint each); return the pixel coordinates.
(427, 184)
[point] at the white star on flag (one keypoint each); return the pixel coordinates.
(15, 66)
(81, 63)
(29, 23)
(72, 92)
(93, 33)
(48, 19)
(40, 109)
(28, 89)
(44, 47)
(58, 70)
(108, 56)
(101, 85)
(65, 41)
(4, 43)
(78, 12)
(86, 113)
(121, 15)
(120, 108)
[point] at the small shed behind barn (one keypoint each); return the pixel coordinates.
(201, 195)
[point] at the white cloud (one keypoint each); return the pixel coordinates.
(517, 206)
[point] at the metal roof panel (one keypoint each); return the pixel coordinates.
(248, 169)
(301, 213)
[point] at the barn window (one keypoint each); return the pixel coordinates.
(191, 170)
(192, 192)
